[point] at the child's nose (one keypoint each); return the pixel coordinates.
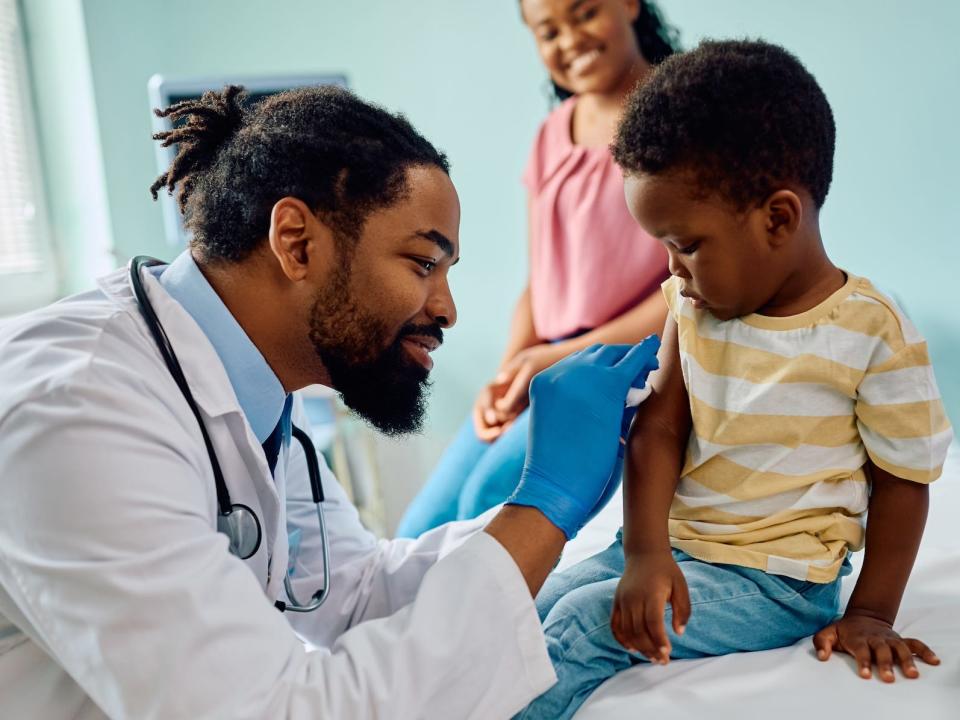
(676, 267)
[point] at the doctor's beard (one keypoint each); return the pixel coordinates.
(383, 385)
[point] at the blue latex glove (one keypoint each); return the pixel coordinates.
(577, 418)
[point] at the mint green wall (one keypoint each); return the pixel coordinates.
(891, 71)
(466, 73)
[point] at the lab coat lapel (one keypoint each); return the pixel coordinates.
(241, 457)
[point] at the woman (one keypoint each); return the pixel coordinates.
(594, 274)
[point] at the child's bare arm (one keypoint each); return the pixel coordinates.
(895, 521)
(656, 445)
(655, 450)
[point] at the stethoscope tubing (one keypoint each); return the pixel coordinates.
(226, 507)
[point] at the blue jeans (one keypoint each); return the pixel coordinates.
(471, 477)
(733, 609)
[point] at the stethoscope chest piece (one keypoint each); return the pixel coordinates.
(242, 528)
(238, 522)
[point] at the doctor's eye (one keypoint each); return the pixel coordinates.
(425, 265)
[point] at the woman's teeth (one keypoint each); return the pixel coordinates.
(582, 62)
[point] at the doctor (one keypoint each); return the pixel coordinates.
(323, 232)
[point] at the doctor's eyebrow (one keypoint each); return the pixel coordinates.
(440, 240)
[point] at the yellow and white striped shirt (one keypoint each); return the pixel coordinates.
(786, 411)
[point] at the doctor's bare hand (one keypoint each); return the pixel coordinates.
(872, 641)
(650, 580)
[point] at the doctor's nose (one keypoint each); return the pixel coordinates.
(441, 308)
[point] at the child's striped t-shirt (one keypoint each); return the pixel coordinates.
(786, 411)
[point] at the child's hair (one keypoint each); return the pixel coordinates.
(743, 117)
(655, 37)
(341, 156)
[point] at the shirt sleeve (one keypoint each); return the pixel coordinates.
(671, 293)
(369, 577)
(900, 415)
(533, 170)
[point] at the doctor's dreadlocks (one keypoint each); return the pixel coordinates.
(341, 156)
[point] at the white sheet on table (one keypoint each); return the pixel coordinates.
(790, 682)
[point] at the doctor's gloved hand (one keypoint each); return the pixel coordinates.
(577, 419)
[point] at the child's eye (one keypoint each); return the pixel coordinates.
(548, 35)
(689, 249)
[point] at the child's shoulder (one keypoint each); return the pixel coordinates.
(875, 313)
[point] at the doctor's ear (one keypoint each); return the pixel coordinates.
(298, 238)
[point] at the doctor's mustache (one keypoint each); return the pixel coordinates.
(430, 330)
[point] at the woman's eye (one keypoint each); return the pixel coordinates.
(589, 14)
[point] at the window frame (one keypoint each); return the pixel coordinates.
(24, 290)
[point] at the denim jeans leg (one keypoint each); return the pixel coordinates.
(605, 565)
(733, 609)
(495, 475)
(439, 498)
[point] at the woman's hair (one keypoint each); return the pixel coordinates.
(656, 39)
(341, 156)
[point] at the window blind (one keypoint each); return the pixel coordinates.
(21, 241)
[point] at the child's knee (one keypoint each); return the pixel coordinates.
(582, 613)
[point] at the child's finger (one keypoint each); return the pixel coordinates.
(656, 629)
(905, 659)
(861, 653)
(636, 632)
(824, 641)
(921, 650)
(616, 627)
(680, 602)
(883, 656)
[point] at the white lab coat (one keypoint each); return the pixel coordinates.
(118, 597)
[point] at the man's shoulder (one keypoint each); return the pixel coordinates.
(64, 345)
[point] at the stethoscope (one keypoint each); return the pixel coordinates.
(238, 522)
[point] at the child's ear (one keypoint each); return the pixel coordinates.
(784, 211)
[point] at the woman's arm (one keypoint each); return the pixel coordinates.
(522, 333)
(487, 422)
(644, 319)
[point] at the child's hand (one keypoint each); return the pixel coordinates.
(870, 641)
(649, 581)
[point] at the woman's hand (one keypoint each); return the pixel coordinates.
(511, 387)
(649, 580)
(487, 423)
